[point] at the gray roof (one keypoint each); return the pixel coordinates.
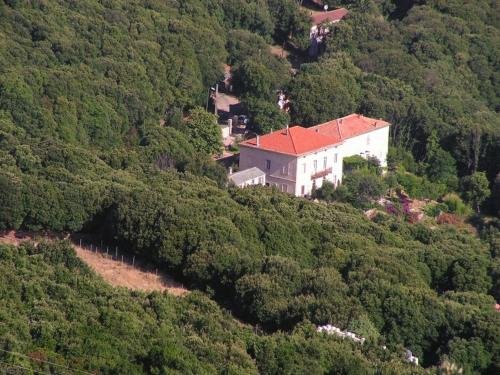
(245, 175)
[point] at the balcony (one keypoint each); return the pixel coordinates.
(322, 173)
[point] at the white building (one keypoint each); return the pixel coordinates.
(297, 160)
(325, 18)
(247, 177)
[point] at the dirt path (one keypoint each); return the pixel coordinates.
(113, 271)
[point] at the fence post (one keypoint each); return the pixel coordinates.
(122, 259)
(107, 250)
(116, 253)
(133, 261)
(90, 247)
(80, 242)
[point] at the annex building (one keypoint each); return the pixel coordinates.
(297, 160)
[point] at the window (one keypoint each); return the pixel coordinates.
(325, 161)
(315, 165)
(303, 190)
(335, 158)
(268, 164)
(283, 188)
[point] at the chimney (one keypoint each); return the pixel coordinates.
(230, 170)
(257, 141)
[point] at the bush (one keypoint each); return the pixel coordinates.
(454, 204)
(363, 187)
(419, 187)
(265, 116)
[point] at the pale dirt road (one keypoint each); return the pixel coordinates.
(113, 271)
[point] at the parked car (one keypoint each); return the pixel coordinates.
(242, 120)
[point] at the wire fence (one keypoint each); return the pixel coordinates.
(114, 253)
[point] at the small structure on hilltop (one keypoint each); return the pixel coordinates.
(247, 177)
(320, 23)
(321, 20)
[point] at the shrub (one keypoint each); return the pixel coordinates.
(454, 204)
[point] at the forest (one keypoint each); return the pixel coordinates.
(103, 130)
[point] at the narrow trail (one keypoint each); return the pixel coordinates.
(114, 271)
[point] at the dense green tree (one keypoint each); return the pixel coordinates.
(496, 195)
(363, 187)
(323, 91)
(265, 116)
(476, 189)
(11, 213)
(203, 132)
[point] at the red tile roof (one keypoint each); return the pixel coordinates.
(350, 126)
(296, 141)
(331, 16)
(299, 140)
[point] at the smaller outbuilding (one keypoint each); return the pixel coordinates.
(247, 177)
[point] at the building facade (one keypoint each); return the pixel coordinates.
(247, 177)
(297, 160)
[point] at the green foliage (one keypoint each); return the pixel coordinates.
(203, 132)
(243, 45)
(440, 164)
(326, 192)
(364, 187)
(419, 187)
(11, 212)
(261, 78)
(470, 355)
(325, 90)
(265, 116)
(356, 162)
(434, 210)
(421, 74)
(495, 195)
(398, 156)
(55, 306)
(83, 87)
(290, 22)
(455, 204)
(92, 80)
(476, 189)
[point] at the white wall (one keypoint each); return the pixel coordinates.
(293, 177)
(375, 142)
(260, 180)
(226, 131)
(284, 180)
(304, 176)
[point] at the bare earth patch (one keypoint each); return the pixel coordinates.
(113, 271)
